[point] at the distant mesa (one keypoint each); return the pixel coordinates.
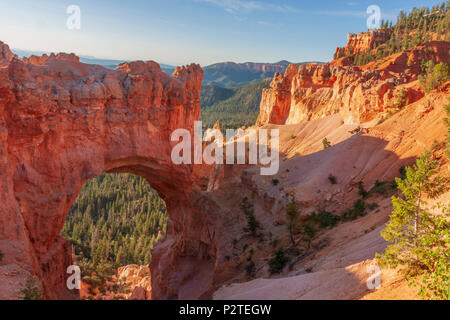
(231, 74)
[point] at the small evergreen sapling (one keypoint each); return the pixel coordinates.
(31, 290)
(420, 239)
(292, 214)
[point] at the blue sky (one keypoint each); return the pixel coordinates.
(183, 31)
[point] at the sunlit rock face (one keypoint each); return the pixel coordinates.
(363, 42)
(62, 123)
(358, 94)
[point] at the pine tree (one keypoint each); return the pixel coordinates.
(110, 213)
(252, 223)
(292, 214)
(405, 43)
(420, 239)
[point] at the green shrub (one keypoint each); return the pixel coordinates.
(292, 214)
(359, 207)
(252, 224)
(436, 77)
(393, 184)
(275, 182)
(356, 130)
(309, 232)
(327, 219)
(402, 98)
(380, 188)
(326, 143)
(358, 210)
(94, 280)
(31, 290)
(402, 172)
(332, 179)
(278, 262)
(361, 191)
(250, 269)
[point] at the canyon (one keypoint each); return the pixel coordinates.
(63, 122)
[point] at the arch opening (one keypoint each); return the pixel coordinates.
(112, 227)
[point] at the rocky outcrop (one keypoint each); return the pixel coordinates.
(46, 59)
(358, 94)
(131, 282)
(138, 280)
(5, 54)
(63, 122)
(279, 97)
(363, 42)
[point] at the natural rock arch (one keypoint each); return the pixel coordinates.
(63, 122)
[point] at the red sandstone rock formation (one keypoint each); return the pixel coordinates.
(363, 42)
(278, 97)
(46, 59)
(5, 54)
(138, 279)
(131, 282)
(359, 94)
(63, 122)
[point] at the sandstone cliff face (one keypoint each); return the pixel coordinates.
(358, 94)
(63, 122)
(5, 54)
(278, 97)
(363, 42)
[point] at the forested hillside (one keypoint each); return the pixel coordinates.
(230, 74)
(419, 26)
(115, 221)
(234, 107)
(212, 94)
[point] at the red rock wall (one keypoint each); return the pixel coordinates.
(363, 42)
(63, 122)
(359, 94)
